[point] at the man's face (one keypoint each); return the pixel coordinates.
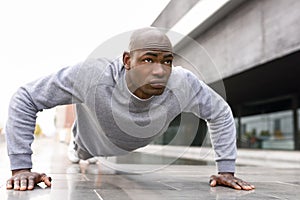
(148, 71)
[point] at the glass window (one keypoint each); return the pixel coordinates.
(268, 131)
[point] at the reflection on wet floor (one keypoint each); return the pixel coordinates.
(142, 158)
(138, 176)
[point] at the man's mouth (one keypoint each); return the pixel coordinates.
(157, 84)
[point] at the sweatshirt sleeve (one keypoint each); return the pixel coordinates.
(208, 105)
(67, 86)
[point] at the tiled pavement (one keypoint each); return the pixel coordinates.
(141, 181)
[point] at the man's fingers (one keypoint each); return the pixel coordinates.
(46, 180)
(234, 185)
(31, 182)
(229, 181)
(23, 183)
(16, 184)
(245, 185)
(213, 181)
(9, 184)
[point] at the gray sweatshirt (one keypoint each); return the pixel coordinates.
(110, 119)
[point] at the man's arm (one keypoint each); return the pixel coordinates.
(44, 93)
(67, 86)
(223, 134)
(208, 105)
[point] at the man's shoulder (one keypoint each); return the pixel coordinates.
(101, 63)
(182, 78)
(180, 73)
(102, 66)
(100, 71)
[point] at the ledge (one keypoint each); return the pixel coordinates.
(250, 157)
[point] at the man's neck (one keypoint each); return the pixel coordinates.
(135, 91)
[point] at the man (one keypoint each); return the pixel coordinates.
(121, 106)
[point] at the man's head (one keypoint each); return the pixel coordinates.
(148, 62)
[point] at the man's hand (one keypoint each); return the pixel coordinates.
(25, 180)
(228, 179)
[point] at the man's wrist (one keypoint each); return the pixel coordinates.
(226, 173)
(16, 171)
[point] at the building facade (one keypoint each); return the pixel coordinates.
(254, 47)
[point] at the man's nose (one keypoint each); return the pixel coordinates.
(158, 70)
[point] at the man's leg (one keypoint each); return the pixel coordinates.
(72, 154)
(73, 150)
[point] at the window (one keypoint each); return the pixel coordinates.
(268, 131)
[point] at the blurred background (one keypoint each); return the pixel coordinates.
(253, 45)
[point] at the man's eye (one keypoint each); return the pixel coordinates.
(168, 62)
(148, 60)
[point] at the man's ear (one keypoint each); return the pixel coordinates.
(126, 60)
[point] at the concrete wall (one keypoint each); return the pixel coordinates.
(173, 12)
(254, 33)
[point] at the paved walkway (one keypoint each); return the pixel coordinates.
(246, 157)
(141, 181)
